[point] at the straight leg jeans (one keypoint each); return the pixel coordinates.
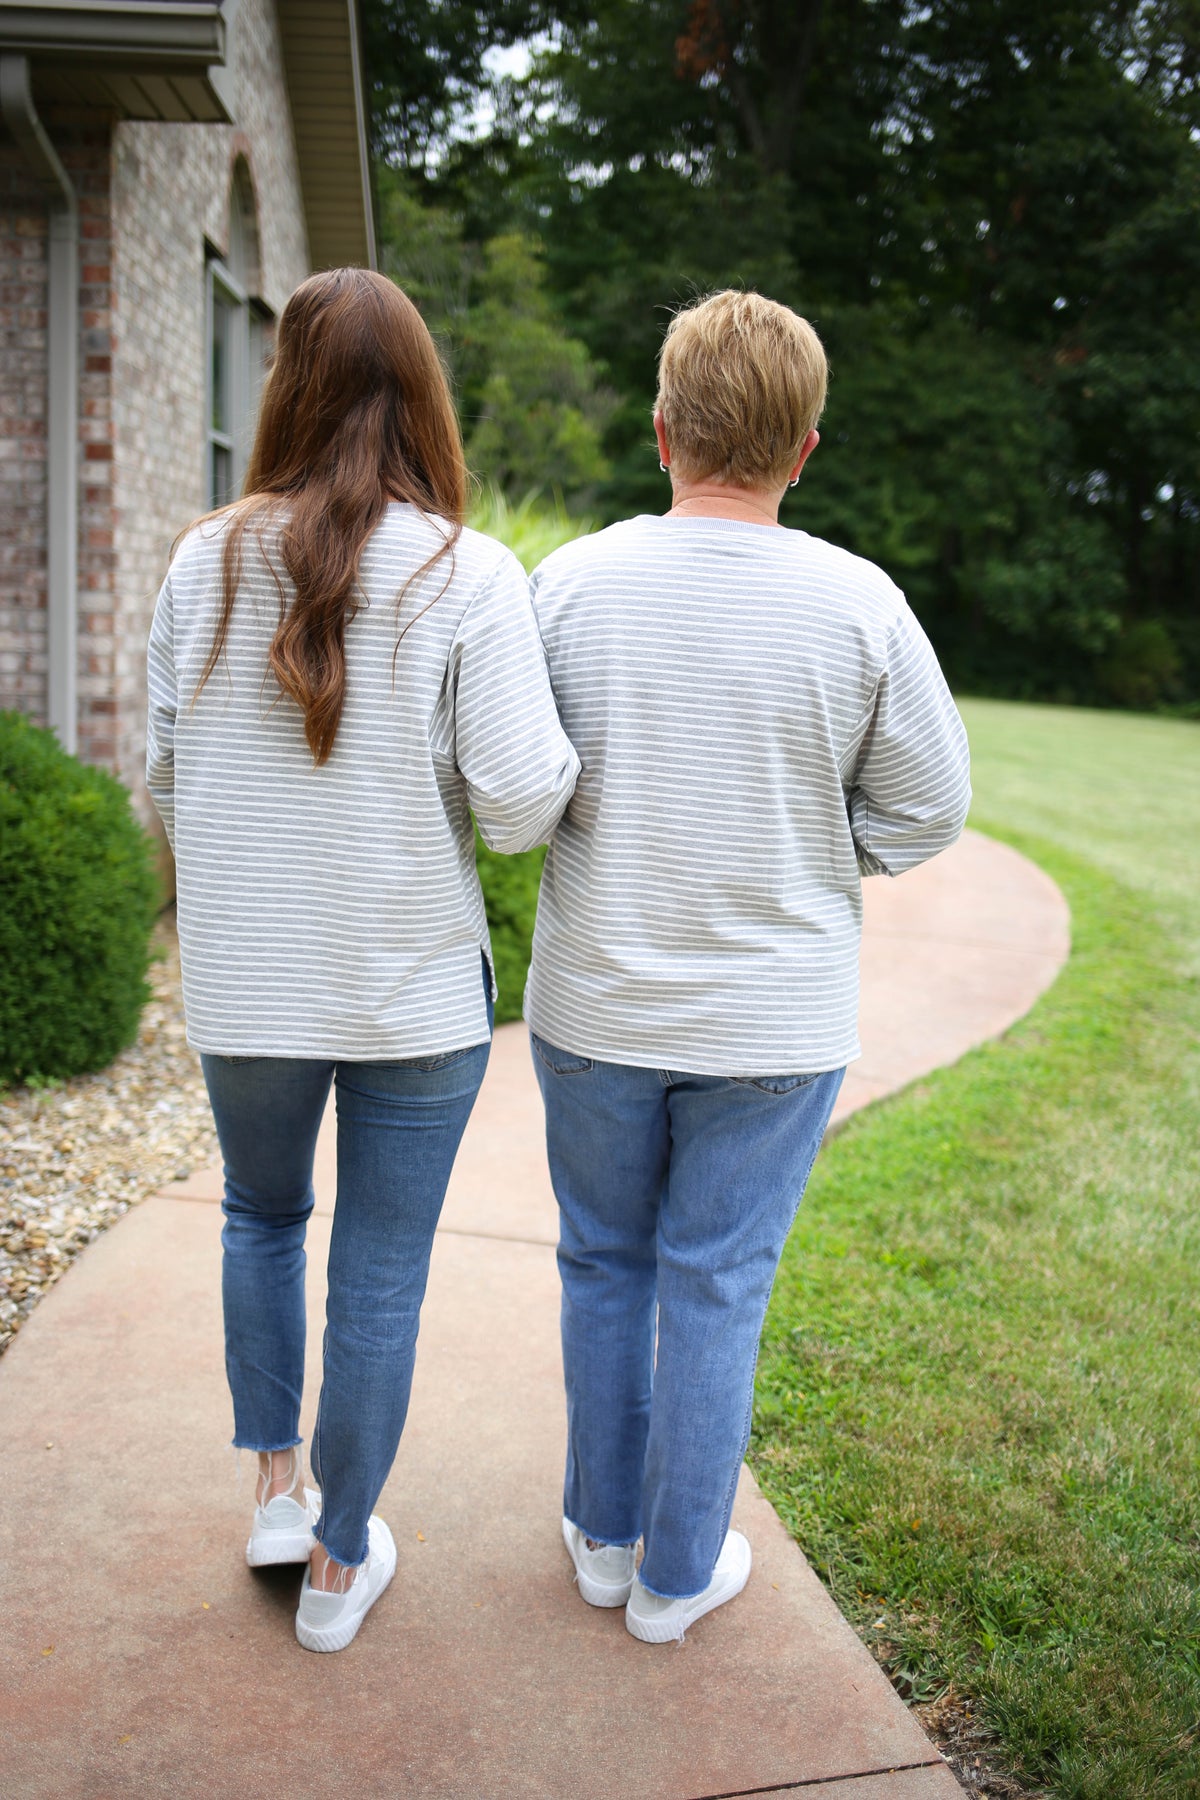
(399, 1128)
(676, 1193)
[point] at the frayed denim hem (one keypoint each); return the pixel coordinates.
(604, 1543)
(333, 1556)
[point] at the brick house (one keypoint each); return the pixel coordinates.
(169, 170)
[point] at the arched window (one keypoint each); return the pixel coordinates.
(238, 345)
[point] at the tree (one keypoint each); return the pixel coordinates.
(988, 207)
(426, 68)
(532, 409)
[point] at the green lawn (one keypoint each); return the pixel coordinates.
(979, 1395)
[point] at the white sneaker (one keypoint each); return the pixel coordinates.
(330, 1621)
(659, 1621)
(282, 1531)
(605, 1575)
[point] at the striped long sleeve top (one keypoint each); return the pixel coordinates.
(335, 911)
(760, 719)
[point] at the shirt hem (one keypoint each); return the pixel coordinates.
(330, 1053)
(683, 1059)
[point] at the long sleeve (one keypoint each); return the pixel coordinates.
(910, 791)
(519, 765)
(161, 710)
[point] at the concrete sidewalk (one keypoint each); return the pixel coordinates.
(140, 1656)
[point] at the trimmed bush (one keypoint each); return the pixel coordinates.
(79, 892)
(510, 892)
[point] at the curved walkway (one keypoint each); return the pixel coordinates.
(141, 1659)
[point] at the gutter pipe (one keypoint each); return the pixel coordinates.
(360, 122)
(62, 400)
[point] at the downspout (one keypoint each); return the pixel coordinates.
(62, 399)
(360, 122)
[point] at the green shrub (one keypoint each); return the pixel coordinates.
(510, 891)
(78, 896)
(1144, 667)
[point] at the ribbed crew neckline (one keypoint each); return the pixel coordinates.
(714, 519)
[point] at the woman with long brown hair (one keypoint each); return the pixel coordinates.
(339, 673)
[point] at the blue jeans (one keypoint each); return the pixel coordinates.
(399, 1127)
(676, 1193)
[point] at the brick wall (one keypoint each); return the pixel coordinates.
(88, 161)
(149, 197)
(171, 188)
(83, 142)
(22, 442)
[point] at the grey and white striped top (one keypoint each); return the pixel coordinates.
(759, 716)
(336, 912)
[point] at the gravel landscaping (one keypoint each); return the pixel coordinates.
(76, 1155)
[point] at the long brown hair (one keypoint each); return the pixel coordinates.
(356, 411)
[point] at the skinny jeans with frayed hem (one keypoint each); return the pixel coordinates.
(399, 1128)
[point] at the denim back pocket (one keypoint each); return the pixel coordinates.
(777, 1084)
(562, 1062)
(428, 1065)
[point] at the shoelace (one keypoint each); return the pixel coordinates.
(341, 1585)
(295, 1476)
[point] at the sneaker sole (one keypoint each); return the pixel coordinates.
(596, 1593)
(280, 1547)
(663, 1631)
(333, 1637)
(336, 1637)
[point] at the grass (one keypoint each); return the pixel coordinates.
(979, 1398)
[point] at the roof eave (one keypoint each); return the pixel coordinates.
(322, 53)
(140, 59)
(187, 36)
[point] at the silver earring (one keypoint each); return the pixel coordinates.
(795, 483)
(663, 467)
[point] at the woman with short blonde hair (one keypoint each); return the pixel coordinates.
(760, 718)
(741, 383)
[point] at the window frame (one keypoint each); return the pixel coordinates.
(248, 348)
(222, 292)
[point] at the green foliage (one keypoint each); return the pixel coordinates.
(536, 412)
(510, 891)
(531, 529)
(941, 459)
(425, 62)
(978, 1402)
(1006, 191)
(532, 410)
(78, 897)
(1144, 668)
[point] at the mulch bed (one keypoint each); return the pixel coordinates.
(76, 1155)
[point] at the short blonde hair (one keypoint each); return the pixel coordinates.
(741, 383)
